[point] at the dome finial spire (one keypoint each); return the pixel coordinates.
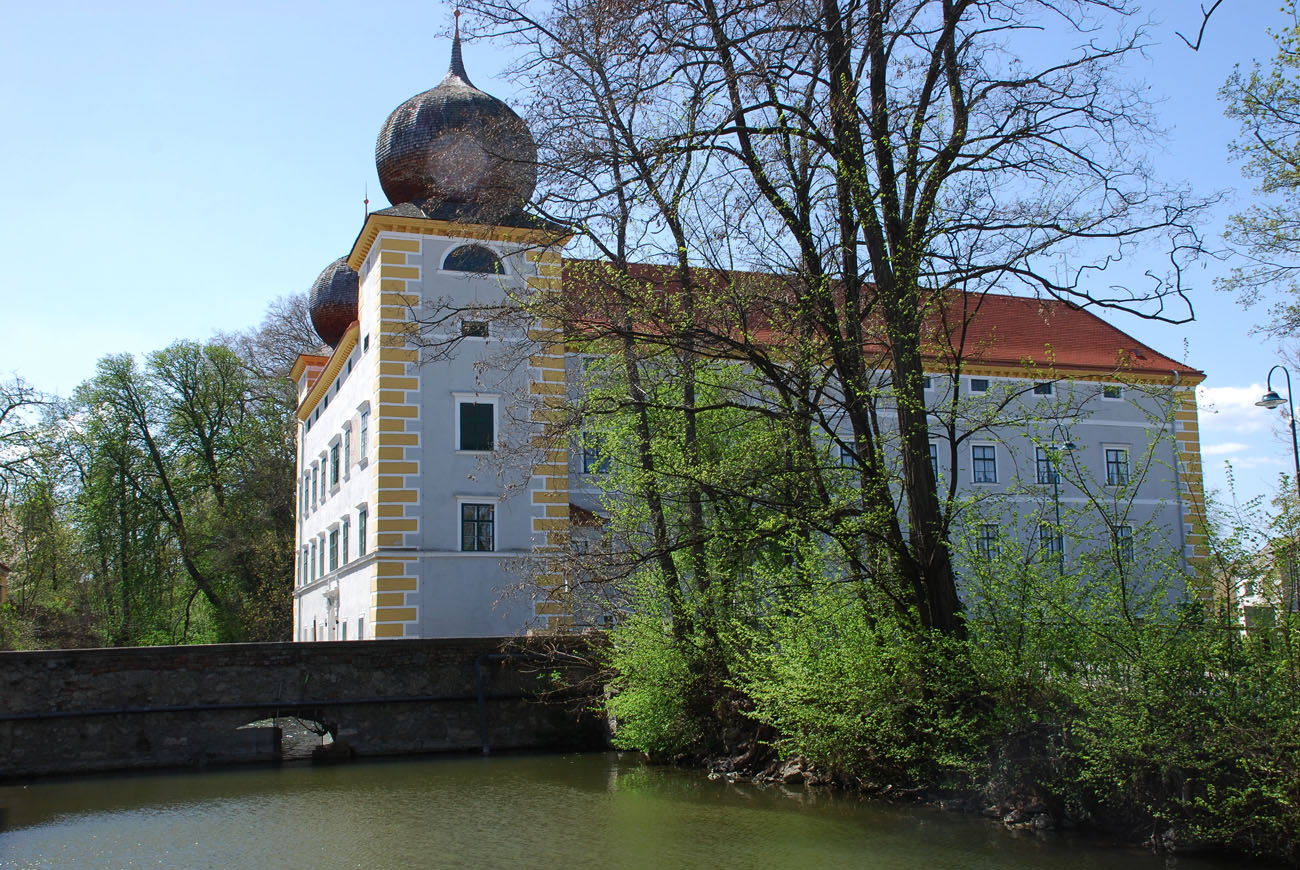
(457, 63)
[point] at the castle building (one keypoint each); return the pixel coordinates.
(422, 490)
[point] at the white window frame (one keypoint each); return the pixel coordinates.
(363, 530)
(1106, 450)
(495, 501)
(974, 466)
(1051, 541)
(363, 435)
(347, 450)
(1041, 455)
(335, 468)
(1118, 387)
(1124, 543)
(463, 398)
(501, 255)
(970, 386)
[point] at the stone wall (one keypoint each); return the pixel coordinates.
(67, 711)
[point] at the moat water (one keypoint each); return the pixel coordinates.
(576, 811)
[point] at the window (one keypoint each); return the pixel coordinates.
(1112, 391)
(984, 463)
(474, 328)
(926, 382)
(1050, 542)
(475, 425)
(303, 568)
(302, 492)
(322, 557)
(1043, 388)
(362, 516)
(848, 457)
(477, 522)
(1116, 466)
(315, 481)
(1124, 543)
(987, 546)
(364, 443)
(1047, 471)
(594, 458)
(934, 459)
(361, 628)
(347, 529)
(334, 550)
(334, 465)
(473, 258)
(365, 343)
(979, 385)
(345, 630)
(313, 560)
(347, 451)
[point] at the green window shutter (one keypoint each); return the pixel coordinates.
(476, 426)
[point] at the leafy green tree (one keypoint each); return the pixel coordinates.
(1266, 102)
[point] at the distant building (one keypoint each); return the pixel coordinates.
(413, 500)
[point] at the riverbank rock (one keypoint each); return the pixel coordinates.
(792, 771)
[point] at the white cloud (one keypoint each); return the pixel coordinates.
(1246, 463)
(1226, 447)
(1233, 410)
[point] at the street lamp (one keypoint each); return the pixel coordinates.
(1272, 400)
(1059, 449)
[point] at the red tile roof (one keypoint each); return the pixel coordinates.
(991, 330)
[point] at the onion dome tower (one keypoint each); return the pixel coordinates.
(333, 301)
(456, 152)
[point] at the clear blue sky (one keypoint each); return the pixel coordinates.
(169, 168)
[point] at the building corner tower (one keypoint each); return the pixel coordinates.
(429, 486)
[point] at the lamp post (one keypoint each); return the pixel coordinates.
(1059, 449)
(1272, 400)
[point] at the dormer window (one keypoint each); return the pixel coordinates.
(473, 258)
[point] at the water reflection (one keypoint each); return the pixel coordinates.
(575, 811)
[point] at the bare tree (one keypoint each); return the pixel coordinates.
(19, 401)
(857, 173)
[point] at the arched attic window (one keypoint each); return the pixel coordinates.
(473, 258)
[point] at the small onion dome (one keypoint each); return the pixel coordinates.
(333, 301)
(455, 147)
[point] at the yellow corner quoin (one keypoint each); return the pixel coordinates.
(409, 246)
(394, 584)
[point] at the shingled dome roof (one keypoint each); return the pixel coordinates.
(333, 301)
(456, 146)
